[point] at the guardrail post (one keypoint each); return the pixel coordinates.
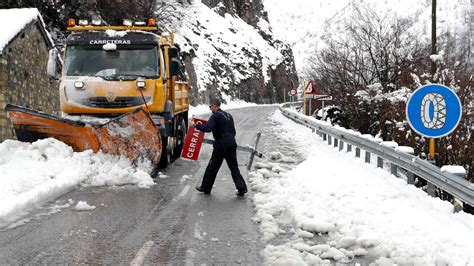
(431, 189)
(329, 140)
(341, 145)
(379, 162)
(349, 147)
(336, 141)
(393, 169)
(410, 178)
(357, 152)
(367, 157)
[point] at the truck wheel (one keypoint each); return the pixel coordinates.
(180, 136)
(165, 159)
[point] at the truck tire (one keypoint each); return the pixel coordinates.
(180, 130)
(165, 159)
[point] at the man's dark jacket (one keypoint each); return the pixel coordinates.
(221, 124)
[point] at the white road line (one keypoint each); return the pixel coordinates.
(184, 191)
(141, 254)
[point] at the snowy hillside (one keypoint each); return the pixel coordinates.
(227, 40)
(303, 23)
(231, 58)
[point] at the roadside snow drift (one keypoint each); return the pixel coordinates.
(334, 206)
(33, 173)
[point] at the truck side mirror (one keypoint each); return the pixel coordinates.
(52, 69)
(172, 52)
(174, 67)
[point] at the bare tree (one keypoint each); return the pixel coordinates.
(376, 50)
(164, 9)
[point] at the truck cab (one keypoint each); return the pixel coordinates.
(112, 70)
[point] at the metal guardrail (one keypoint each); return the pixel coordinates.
(455, 185)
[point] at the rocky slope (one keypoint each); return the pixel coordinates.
(230, 52)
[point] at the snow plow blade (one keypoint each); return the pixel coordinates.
(132, 135)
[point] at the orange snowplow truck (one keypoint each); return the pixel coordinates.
(123, 91)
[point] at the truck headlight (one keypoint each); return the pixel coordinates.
(141, 84)
(79, 85)
(96, 22)
(83, 22)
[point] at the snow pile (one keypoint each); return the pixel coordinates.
(31, 174)
(83, 206)
(303, 23)
(405, 149)
(225, 42)
(109, 47)
(335, 207)
(115, 33)
(454, 169)
(12, 21)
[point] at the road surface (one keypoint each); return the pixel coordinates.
(170, 223)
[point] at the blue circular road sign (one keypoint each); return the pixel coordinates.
(433, 111)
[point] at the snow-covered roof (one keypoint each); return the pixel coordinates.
(13, 21)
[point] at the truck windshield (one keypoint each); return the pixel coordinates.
(124, 63)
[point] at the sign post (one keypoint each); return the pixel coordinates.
(310, 107)
(309, 92)
(304, 100)
(433, 111)
(432, 149)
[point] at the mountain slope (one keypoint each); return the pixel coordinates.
(227, 57)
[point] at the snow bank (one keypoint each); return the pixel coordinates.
(31, 174)
(355, 208)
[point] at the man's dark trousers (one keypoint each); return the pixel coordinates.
(225, 148)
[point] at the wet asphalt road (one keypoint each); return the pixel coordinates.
(168, 223)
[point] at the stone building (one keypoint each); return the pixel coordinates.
(24, 47)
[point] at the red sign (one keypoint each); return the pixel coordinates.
(292, 92)
(312, 90)
(193, 141)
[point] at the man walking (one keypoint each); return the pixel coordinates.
(221, 124)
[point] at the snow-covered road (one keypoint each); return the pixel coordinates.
(334, 206)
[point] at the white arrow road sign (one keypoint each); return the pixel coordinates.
(319, 97)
